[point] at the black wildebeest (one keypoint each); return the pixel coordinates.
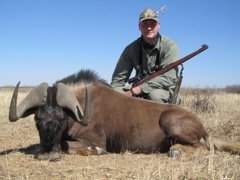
(81, 114)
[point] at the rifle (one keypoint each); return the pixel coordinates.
(146, 76)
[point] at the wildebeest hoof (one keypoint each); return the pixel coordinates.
(173, 153)
(101, 151)
(52, 156)
(43, 156)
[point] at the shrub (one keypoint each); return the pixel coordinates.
(200, 100)
(233, 89)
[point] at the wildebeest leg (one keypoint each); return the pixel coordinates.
(184, 132)
(177, 149)
(75, 147)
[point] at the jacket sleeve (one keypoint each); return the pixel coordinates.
(166, 80)
(122, 70)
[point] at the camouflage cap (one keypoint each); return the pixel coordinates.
(148, 14)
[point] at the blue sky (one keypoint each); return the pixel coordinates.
(46, 40)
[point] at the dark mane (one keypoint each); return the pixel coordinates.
(82, 77)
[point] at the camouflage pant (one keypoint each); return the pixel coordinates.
(159, 95)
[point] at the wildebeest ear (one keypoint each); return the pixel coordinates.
(67, 99)
(37, 97)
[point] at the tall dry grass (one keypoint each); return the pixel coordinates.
(220, 114)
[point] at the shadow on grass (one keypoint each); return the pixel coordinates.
(32, 149)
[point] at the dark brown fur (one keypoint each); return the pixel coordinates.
(118, 122)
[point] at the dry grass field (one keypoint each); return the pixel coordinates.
(220, 114)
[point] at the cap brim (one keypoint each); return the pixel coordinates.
(155, 19)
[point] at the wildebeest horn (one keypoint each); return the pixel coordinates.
(35, 98)
(67, 99)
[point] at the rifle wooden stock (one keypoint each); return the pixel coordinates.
(170, 66)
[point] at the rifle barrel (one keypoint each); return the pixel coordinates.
(171, 66)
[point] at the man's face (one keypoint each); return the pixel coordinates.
(149, 29)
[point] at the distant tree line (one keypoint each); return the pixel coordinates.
(233, 89)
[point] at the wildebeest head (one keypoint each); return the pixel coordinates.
(38, 97)
(53, 106)
(49, 104)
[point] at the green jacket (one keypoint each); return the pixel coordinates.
(129, 59)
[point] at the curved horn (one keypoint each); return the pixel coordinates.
(87, 107)
(35, 98)
(67, 99)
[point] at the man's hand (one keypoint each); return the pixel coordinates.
(135, 91)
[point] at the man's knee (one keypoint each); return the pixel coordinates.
(159, 95)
